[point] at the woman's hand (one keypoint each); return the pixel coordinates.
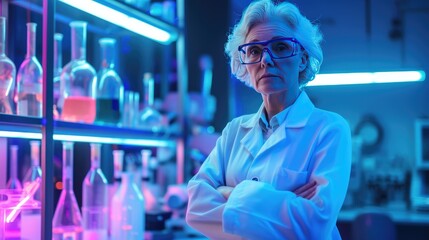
(225, 191)
(307, 191)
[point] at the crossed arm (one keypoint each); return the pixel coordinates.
(306, 191)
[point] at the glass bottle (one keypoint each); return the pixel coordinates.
(7, 73)
(94, 199)
(118, 159)
(58, 67)
(14, 182)
(150, 118)
(67, 221)
(110, 88)
(29, 80)
(78, 80)
(35, 171)
(127, 210)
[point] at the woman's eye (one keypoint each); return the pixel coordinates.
(254, 51)
(282, 47)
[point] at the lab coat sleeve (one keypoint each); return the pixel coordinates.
(256, 210)
(206, 204)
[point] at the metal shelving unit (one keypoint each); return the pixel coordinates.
(49, 130)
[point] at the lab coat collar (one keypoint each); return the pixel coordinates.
(297, 117)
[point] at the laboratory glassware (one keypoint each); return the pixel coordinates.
(29, 87)
(58, 67)
(118, 158)
(150, 118)
(110, 88)
(14, 182)
(7, 73)
(78, 80)
(67, 221)
(94, 199)
(20, 215)
(34, 171)
(127, 210)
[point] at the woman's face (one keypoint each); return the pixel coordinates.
(273, 76)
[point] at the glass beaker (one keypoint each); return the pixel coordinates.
(94, 199)
(7, 73)
(67, 221)
(29, 79)
(20, 215)
(78, 81)
(110, 88)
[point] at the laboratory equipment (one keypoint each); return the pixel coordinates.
(34, 171)
(58, 67)
(67, 221)
(110, 88)
(29, 80)
(14, 182)
(150, 118)
(127, 209)
(78, 81)
(20, 216)
(94, 204)
(7, 73)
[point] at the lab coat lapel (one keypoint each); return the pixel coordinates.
(253, 139)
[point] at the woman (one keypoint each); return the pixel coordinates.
(283, 172)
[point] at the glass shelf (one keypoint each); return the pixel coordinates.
(30, 128)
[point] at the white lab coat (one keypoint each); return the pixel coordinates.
(311, 144)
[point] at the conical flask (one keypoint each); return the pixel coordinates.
(110, 88)
(67, 221)
(127, 210)
(34, 171)
(58, 67)
(7, 73)
(150, 118)
(14, 182)
(29, 80)
(94, 203)
(78, 81)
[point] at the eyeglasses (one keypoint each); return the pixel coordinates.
(277, 48)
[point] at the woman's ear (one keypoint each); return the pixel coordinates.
(304, 62)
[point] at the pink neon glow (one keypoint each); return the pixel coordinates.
(28, 192)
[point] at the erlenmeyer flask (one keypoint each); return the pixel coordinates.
(29, 80)
(58, 67)
(14, 182)
(7, 73)
(78, 80)
(110, 88)
(150, 118)
(127, 210)
(94, 199)
(67, 221)
(35, 171)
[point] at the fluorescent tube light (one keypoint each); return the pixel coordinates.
(367, 78)
(91, 139)
(120, 19)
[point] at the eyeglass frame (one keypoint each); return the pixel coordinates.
(265, 43)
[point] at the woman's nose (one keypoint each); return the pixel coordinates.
(266, 57)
